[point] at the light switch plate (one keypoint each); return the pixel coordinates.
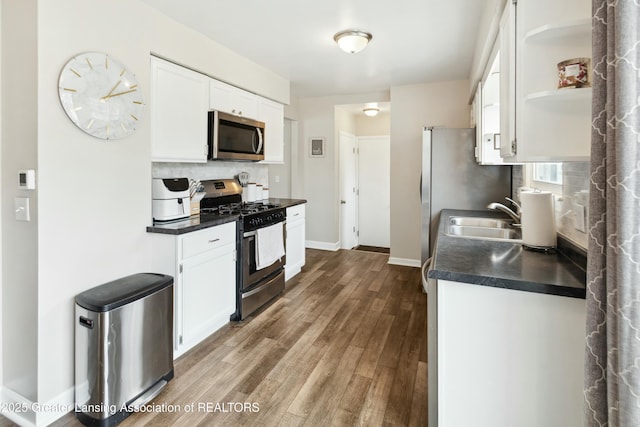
(21, 205)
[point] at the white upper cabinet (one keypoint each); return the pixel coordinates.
(179, 105)
(549, 124)
(272, 114)
(232, 100)
(180, 101)
(507, 38)
(487, 100)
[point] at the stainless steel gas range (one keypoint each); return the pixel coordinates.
(260, 243)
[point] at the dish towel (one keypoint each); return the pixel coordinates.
(269, 245)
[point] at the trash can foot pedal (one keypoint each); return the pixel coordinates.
(148, 395)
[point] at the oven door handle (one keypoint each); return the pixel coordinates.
(254, 232)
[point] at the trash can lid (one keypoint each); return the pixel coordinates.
(112, 295)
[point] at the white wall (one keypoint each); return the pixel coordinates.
(19, 239)
(412, 108)
(318, 118)
(94, 197)
(1, 216)
(373, 126)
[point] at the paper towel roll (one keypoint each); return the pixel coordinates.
(538, 219)
(251, 192)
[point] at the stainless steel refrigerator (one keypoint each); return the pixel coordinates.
(451, 179)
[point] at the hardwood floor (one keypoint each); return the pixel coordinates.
(344, 346)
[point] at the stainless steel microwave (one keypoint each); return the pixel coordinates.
(235, 138)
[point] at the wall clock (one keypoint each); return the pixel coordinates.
(100, 95)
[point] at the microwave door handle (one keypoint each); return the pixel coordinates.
(260, 140)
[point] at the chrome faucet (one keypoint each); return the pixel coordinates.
(500, 207)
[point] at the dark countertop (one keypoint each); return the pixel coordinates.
(199, 222)
(503, 264)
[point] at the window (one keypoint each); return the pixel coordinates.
(550, 173)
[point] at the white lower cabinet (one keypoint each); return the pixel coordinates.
(203, 264)
(508, 357)
(295, 241)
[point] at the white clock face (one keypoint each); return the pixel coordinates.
(101, 96)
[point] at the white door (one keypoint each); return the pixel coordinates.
(374, 176)
(348, 191)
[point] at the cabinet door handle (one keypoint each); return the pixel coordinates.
(213, 240)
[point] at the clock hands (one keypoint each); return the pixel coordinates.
(112, 89)
(111, 95)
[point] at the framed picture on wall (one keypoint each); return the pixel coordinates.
(316, 147)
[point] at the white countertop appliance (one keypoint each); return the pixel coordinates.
(538, 220)
(170, 199)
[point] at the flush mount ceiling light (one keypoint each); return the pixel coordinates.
(352, 41)
(371, 111)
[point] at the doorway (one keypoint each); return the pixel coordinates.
(374, 176)
(348, 191)
(365, 207)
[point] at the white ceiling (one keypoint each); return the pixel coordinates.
(414, 41)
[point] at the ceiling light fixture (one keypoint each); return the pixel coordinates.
(352, 41)
(371, 112)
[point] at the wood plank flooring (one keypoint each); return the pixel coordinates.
(344, 346)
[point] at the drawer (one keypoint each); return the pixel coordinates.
(201, 241)
(295, 212)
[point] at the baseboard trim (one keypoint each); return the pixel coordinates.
(407, 262)
(36, 414)
(324, 246)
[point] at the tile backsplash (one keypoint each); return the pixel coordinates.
(572, 207)
(258, 173)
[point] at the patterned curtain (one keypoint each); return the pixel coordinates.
(612, 364)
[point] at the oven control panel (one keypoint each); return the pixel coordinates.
(264, 219)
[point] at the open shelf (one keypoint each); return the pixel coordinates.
(578, 27)
(582, 94)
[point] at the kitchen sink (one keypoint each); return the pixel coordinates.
(480, 222)
(483, 228)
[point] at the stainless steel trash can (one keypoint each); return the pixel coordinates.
(123, 346)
